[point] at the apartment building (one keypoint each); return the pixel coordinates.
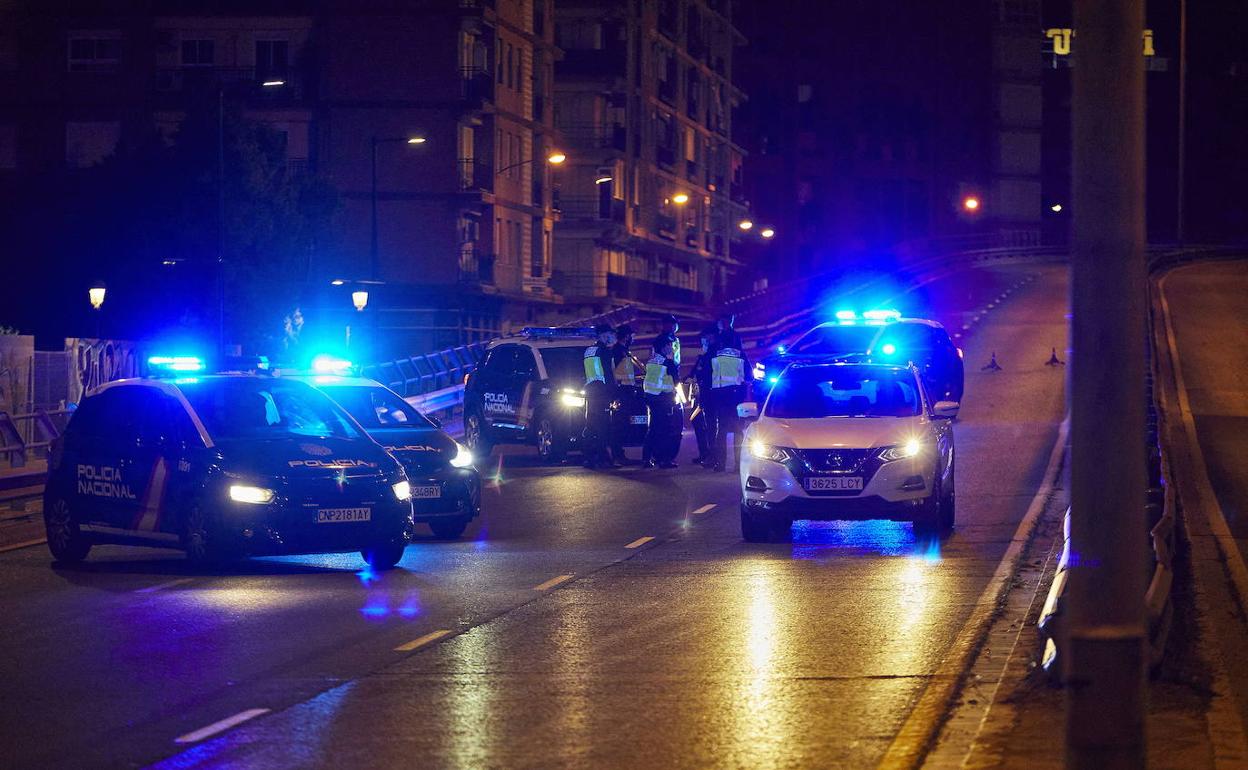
(651, 196)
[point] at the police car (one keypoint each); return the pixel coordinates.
(446, 489)
(847, 441)
(530, 389)
(882, 336)
(223, 466)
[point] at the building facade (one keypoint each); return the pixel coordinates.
(652, 193)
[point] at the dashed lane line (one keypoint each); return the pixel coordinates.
(222, 726)
(705, 508)
(162, 586)
(639, 542)
(419, 642)
(549, 584)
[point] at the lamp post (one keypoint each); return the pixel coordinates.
(373, 252)
(554, 158)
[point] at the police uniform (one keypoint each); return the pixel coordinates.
(663, 436)
(624, 371)
(599, 392)
(728, 368)
(698, 417)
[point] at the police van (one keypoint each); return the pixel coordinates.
(223, 466)
(530, 389)
(446, 488)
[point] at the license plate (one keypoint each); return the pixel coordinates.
(430, 492)
(834, 484)
(340, 515)
(640, 419)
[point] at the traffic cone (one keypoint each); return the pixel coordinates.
(991, 366)
(1053, 359)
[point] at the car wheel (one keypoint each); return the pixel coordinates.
(927, 522)
(754, 528)
(549, 446)
(65, 540)
(384, 556)
(474, 436)
(948, 504)
(199, 539)
(448, 529)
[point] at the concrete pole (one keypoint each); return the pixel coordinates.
(1107, 690)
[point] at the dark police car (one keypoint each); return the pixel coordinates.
(530, 389)
(446, 489)
(223, 466)
(880, 336)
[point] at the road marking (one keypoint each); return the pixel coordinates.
(432, 636)
(549, 584)
(917, 733)
(160, 586)
(639, 542)
(704, 508)
(223, 725)
(23, 544)
(1222, 721)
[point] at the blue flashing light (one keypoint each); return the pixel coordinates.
(781, 349)
(888, 348)
(773, 380)
(553, 332)
(176, 363)
(846, 315)
(327, 364)
(881, 315)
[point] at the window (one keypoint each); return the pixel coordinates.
(850, 392)
(376, 407)
(198, 53)
(247, 408)
(272, 59)
(94, 53)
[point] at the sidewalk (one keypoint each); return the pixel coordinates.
(21, 522)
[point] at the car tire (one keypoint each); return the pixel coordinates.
(550, 447)
(449, 529)
(66, 540)
(384, 556)
(755, 528)
(948, 504)
(474, 435)
(928, 521)
(199, 540)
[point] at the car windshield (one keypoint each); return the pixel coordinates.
(565, 363)
(835, 340)
(844, 391)
(375, 408)
(254, 408)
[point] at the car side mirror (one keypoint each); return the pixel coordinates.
(748, 410)
(946, 410)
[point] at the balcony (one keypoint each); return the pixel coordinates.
(592, 208)
(477, 85)
(475, 175)
(245, 83)
(640, 290)
(666, 225)
(476, 268)
(591, 62)
(595, 136)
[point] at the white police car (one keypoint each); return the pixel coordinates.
(223, 466)
(530, 389)
(847, 441)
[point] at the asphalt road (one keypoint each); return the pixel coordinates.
(690, 649)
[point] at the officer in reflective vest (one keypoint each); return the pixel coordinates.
(662, 442)
(728, 385)
(670, 327)
(599, 392)
(627, 367)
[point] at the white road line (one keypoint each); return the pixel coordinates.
(704, 508)
(639, 542)
(23, 544)
(160, 586)
(912, 741)
(549, 584)
(432, 636)
(222, 726)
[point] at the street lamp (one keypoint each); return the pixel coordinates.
(680, 199)
(359, 299)
(604, 180)
(96, 295)
(745, 224)
(374, 254)
(767, 232)
(970, 204)
(1056, 208)
(554, 158)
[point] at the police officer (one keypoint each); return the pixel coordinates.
(625, 370)
(663, 436)
(600, 391)
(728, 367)
(700, 390)
(669, 329)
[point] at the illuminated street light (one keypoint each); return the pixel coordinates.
(359, 299)
(604, 180)
(745, 224)
(768, 233)
(970, 203)
(680, 199)
(273, 83)
(1056, 208)
(416, 140)
(556, 157)
(96, 295)
(373, 252)
(337, 282)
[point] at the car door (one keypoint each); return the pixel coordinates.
(83, 451)
(522, 382)
(499, 398)
(143, 466)
(103, 460)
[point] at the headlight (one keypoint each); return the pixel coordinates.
(760, 370)
(571, 398)
(462, 458)
(403, 491)
(768, 452)
(241, 493)
(911, 448)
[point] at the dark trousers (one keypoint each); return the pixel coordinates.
(663, 436)
(698, 421)
(721, 419)
(597, 423)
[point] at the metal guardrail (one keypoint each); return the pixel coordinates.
(43, 428)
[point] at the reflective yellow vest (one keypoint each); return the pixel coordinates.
(625, 372)
(727, 368)
(658, 379)
(593, 366)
